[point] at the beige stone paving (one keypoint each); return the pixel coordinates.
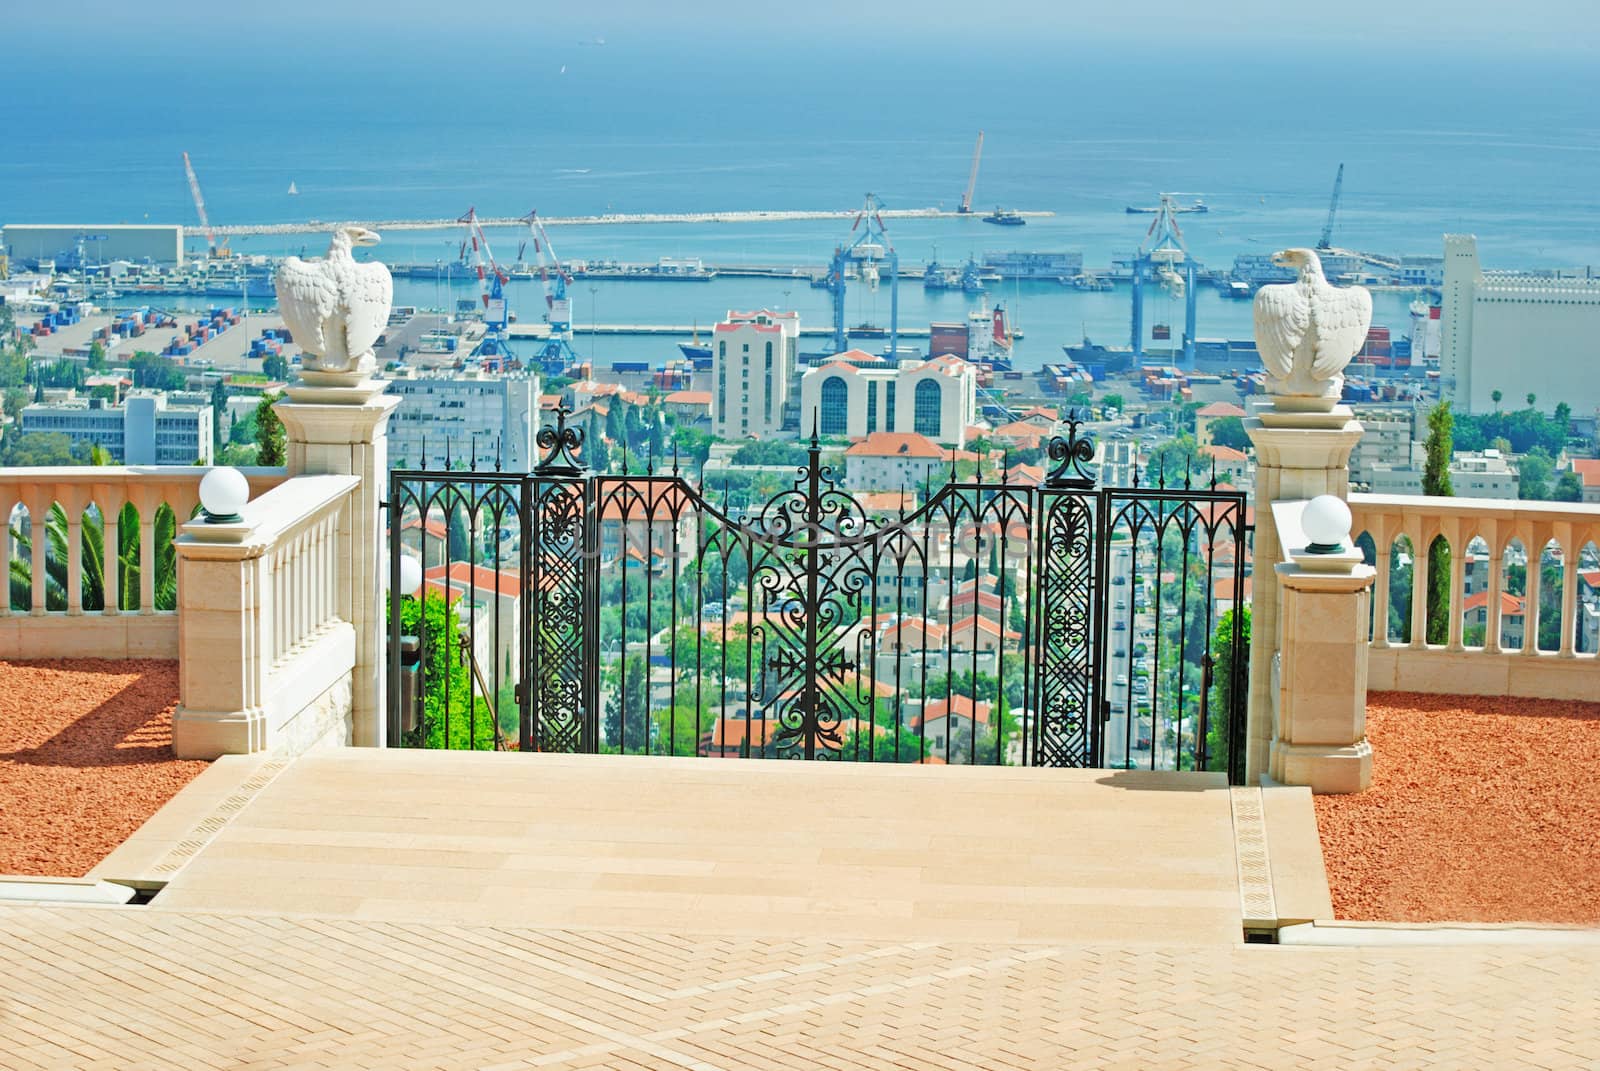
(130, 988)
(737, 847)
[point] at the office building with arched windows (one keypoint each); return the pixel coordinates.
(855, 395)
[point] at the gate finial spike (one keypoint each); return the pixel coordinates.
(625, 455)
(649, 460)
(816, 428)
(675, 457)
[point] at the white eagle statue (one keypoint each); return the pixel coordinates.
(336, 307)
(1307, 331)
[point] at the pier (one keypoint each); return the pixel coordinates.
(317, 226)
(542, 331)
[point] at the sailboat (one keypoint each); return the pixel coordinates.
(292, 190)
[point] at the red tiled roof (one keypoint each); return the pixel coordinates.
(1221, 409)
(1224, 453)
(1588, 470)
(689, 397)
(895, 444)
(959, 705)
(465, 575)
(1510, 605)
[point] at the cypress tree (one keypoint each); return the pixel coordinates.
(1436, 481)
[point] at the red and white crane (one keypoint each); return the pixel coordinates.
(492, 280)
(557, 353)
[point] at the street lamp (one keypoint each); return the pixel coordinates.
(594, 323)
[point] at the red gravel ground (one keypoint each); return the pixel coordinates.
(1481, 810)
(85, 758)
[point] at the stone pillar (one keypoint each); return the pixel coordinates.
(1299, 455)
(1319, 734)
(337, 424)
(221, 667)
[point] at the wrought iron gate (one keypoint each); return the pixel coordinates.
(1009, 617)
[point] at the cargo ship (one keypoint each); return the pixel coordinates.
(1197, 206)
(1004, 218)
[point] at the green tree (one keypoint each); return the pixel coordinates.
(129, 566)
(596, 454)
(219, 406)
(15, 399)
(452, 715)
(1569, 487)
(1532, 398)
(1225, 676)
(1229, 431)
(1114, 401)
(34, 449)
(1436, 482)
(276, 367)
(769, 452)
(1533, 475)
(626, 705)
(269, 433)
(1496, 395)
(97, 355)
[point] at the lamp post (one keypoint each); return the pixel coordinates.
(594, 324)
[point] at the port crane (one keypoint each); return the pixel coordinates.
(1326, 241)
(972, 178)
(492, 280)
(1156, 260)
(557, 353)
(212, 249)
(865, 249)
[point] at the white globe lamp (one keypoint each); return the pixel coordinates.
(223, 493)
(410, 575)
(1326, 523)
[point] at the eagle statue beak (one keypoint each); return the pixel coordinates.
(1281, 258)
(367, 237)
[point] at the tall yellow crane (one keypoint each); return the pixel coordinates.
(972, 178)
(212, 248)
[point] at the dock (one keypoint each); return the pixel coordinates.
(542, 331)
(316, 226)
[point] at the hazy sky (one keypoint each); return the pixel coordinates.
(1318, 29)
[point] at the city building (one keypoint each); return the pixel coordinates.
(148, 428)
(1484, 474)
(1390, 437)
(1204, 417)
(1588, 470)
(1018, 265)
(892, 461)
(855, 395)
(752, 363)
(476, 419)
(1515, 333)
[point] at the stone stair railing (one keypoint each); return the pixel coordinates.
(1561, 538)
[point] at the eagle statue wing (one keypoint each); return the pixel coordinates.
(367, 306)
(307, 297)
(1283, 316)
(1343, 316)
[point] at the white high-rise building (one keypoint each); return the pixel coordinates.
(752, 362)
(1518, 334)
(855, 395)
(474, 419)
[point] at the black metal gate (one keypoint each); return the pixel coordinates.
(1008, 617)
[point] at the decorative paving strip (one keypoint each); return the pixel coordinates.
(208, 827)
(1257, 904)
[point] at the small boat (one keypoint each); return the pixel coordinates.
(1004, 218)
(292, 190)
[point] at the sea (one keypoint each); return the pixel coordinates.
(1497, 146)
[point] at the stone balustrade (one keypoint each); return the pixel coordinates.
(1512, 629)
(265, 645)
(89, 553)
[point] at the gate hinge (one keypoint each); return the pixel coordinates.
(1105, 711)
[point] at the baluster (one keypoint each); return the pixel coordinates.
(1419, 592)
(8, 550)
(1569, 588)
(38, 515)
(279, 594)
(111, 564)
(1530, 611)
(73, 508)
(1458, 582)
(147, 553)
(1383, 549)
(1493, 625)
